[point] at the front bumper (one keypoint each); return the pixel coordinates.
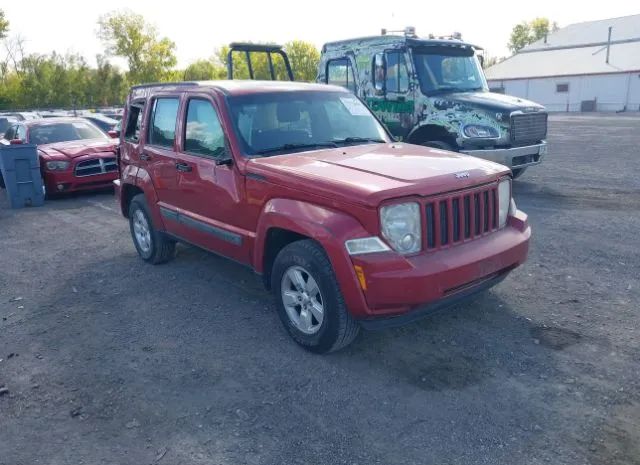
(516, 157)
(65, 181)
(401, 289)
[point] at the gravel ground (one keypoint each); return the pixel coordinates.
(107, 360)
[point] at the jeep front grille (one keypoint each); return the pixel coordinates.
(96, 166)
(528, 127)
(461, 217)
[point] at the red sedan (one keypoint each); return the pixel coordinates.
(74, 154)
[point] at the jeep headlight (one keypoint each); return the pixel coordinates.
(479, 131)
(504, 199)
(57, 165)
(401, 227)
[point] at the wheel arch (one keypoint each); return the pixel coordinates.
(128, 192)
(284, 221)
(429, 132)
(136, 181)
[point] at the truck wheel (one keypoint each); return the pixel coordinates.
(518, 172)
(152, 246)
(438, 144)
(309, 300)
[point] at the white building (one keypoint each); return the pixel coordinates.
(582, 67)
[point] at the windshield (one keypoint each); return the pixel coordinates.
(448, 69)
(285, 122)
(63, 132)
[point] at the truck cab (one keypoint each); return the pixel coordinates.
(433, 92)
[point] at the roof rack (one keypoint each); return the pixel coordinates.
(247, 48)
(158, 84)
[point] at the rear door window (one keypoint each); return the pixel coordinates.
(162, 127)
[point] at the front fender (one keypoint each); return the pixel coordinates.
(329, 227)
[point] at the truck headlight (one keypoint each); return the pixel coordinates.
(504, 199)
(401, 227)
(57, 165)
(478, 131)
(366, 245)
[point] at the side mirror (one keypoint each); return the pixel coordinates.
(16, 142)
(113, 134)
(481, 60)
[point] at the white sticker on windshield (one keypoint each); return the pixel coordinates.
(79, 125)
(355, 106)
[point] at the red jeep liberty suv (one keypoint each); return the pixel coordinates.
(301, 182)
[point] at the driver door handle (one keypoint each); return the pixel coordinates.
(183, 167)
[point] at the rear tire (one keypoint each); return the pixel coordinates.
(152, 245)
(518, 172)
(303, 282)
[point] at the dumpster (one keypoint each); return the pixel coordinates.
(20, 169)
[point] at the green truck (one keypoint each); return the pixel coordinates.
(432, 91)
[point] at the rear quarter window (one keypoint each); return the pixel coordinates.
(134, 122)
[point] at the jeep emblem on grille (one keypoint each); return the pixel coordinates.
(462, 175)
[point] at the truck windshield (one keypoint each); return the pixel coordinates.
(285, 122)
(448, 69)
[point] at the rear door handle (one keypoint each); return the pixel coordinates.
(183, 167)
(145, 156)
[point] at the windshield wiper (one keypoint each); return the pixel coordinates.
(285, 147)
(449, 89)
(358, 140)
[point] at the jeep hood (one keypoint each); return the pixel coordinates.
(487, 101)
(369, 174)
(76, 148)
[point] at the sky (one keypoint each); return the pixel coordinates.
(199, 27)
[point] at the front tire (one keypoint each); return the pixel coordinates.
(518, 172)
(309, 301)
(152, 246)
(438, 144)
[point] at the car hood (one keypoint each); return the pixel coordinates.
(76, 148)
(369, 174)
(487, 101)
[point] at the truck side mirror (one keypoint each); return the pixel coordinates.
(379, 73)
(481, 60)
(113, 134)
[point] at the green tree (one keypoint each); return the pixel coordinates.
(108, 84)
(202, 70)
(150, 57)
(4, 25)
(304, 58)
(528, 32)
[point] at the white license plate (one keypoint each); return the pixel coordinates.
(542, 150)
